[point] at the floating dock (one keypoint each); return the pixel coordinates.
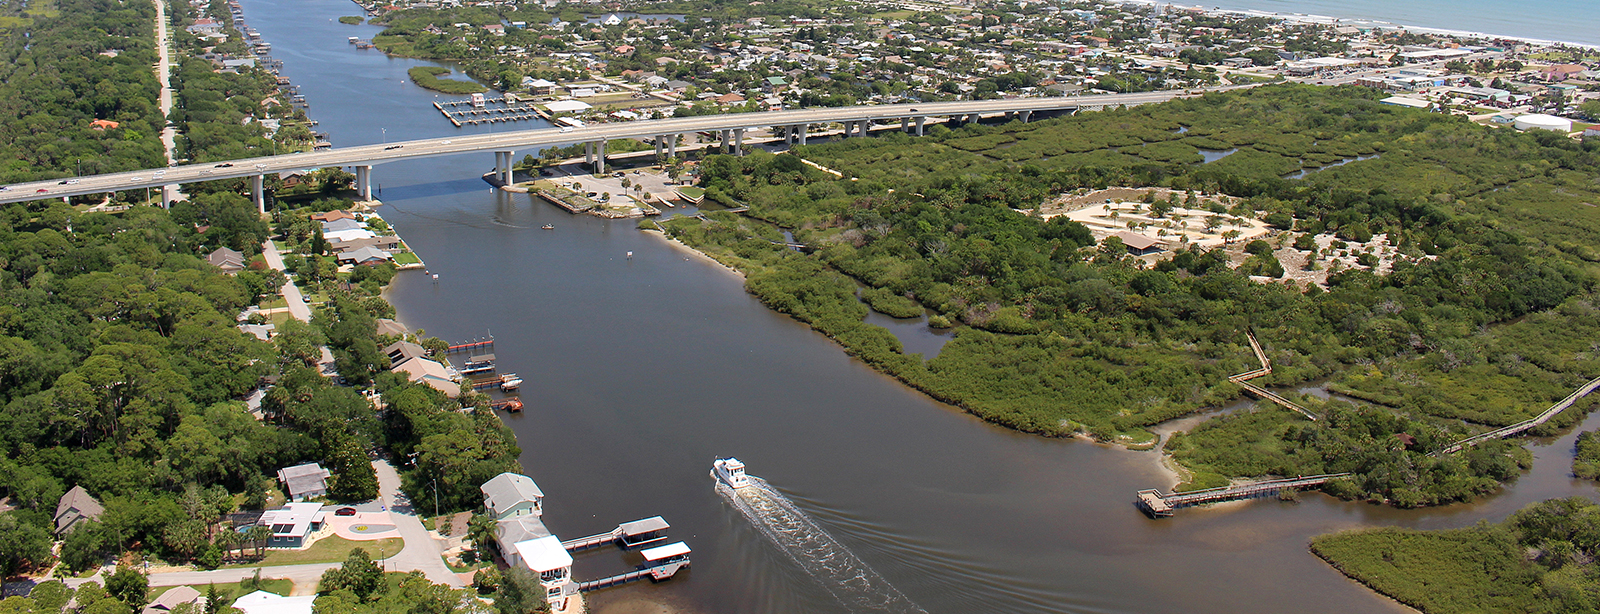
(470, 346)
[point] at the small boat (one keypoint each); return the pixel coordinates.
(514, 406)
(729, 471)
(548, 227)
(510, 381)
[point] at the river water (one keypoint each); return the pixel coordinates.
(638, 372)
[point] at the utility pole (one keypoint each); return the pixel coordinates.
(436, 497)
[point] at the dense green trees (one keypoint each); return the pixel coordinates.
(1063, 335)
(1541, 559)
(360, 587)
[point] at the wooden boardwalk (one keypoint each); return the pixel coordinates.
(1520, 427)
(1160, 505)
(1242, 380)
(617, 580)
(592, 541)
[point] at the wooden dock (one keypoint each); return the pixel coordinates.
(617, 580)
(1159, 505)
(592, 541)
(1521, 427)
(470, 346)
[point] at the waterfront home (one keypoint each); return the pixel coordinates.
(385, 326)
(545, 556)
(303, 482)
(332, 215)
(292, 523)
(229, 261)
(365, 256)
(401, 351)
(511, 495)
(342, 224)
(430, 373)
(508, 533)
(74, 508)
(388, 243)
(263, 602)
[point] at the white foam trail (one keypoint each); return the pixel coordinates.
(845, 576)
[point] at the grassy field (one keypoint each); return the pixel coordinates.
(329, 550)
(404, 258)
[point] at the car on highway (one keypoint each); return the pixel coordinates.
(345, 511)
(445, 142)
(913, 110)
(4, 188)
(41, 191)
(62, 182)
(224, 165)
(393, 147)
(136, 179)
(72, 182)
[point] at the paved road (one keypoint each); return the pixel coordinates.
(422, 551)
(528, 139)
(291, 293)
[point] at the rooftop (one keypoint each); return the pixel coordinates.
(543, 554)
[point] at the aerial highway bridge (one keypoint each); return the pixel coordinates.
(793, 125)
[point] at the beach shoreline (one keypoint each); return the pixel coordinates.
(1306, 18)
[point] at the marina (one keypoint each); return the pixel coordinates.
(482, 110)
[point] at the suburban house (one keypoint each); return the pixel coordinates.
(424, 371)
(263, 602)
(173, 598)
(302, 482)
(226, 259)
(292, 523)
(510, 495)
(205, 27)
(74, 508)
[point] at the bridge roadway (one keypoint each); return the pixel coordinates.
(364, 156)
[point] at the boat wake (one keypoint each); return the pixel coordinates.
(846, 577)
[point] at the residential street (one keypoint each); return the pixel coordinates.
(422, 551)
(291, 292)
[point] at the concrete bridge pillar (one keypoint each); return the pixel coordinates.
(803, 133)
(905, 124)
(259, 193)
(364, 182)
(1025, 116)
(600, 157)
(506, 173)
(973, 118)
(920, 120)
(738, 141)
(672, 145)
(661, 146)
(588, 152)
(725, 141)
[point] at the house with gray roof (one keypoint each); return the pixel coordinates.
(390, 327)
(510, 495)
(303, 482)
(75, 508)
(292, 523)
(226, 259)
(401, 351)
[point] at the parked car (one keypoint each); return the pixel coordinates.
(345, 511)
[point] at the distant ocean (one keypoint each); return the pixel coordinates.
(1572, 21)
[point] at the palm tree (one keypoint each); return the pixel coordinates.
(258, 536)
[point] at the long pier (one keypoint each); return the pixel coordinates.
(1520, 427)
(1160, 505)
(1242, 380)
(470, 346)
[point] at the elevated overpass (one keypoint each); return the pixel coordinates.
(792, 124)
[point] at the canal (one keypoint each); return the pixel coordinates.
(638, 372)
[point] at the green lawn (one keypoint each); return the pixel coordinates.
(329, 550)
(691, 192)
(233, 590)
(405, 258)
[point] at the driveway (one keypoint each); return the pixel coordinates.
(291, 293)
(422, 551)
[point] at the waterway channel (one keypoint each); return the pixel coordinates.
(638, 372)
